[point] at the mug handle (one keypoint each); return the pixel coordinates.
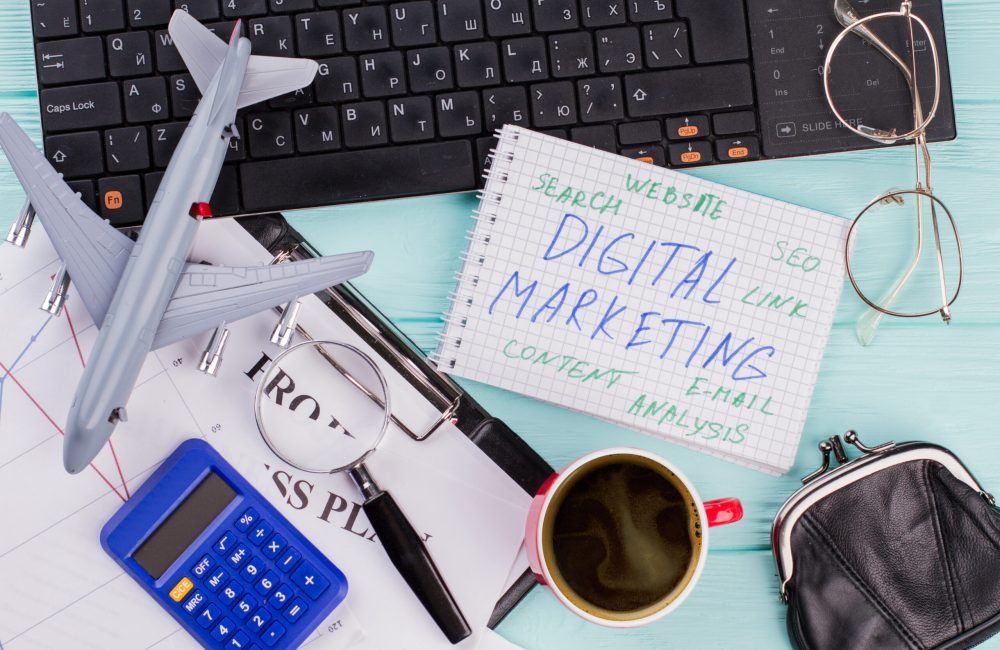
(723, 511)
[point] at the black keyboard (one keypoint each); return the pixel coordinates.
(409, 93)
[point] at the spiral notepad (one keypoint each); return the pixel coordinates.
(656, 300)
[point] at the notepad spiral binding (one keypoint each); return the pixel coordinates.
(462, 300)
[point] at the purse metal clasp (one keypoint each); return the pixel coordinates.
(834, 445)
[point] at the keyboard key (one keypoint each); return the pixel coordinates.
(54, 18)
(508, 18)
(200, 9)
(555, 15)
(267, 583)
(193, 603)
(259, 620)
(742, 148)
(310, 580)
(246, 520)
(430, 69)
(571, 55)
(274, 546)
(152, 184)
(209, 615)
(269, 135)
(129, 54)
(289, 560)
(602, 13)
(619, 50)
(477, 64)
(382, 74)
(76, 154)
(146, 100)
(316, 129)
(181, 589)
(295, 99)
(718, 29)
(85, 189)
(524, 59)
(639, 132)
(364, 124)
(666, 45)
(244, 8)
(203, 566)
(325, 179)
(278, 6)
(412, 24)
(218, 578)
(271, 36)
(148, 13)
(507, 105)
(281, 597)
(318, 34)
(600, 100)
(687, 127)
(101, 15)
(645, 11)
(70, 61)
(553, 104)
(184, 95)
(168, 59)
(685, 90)
(365, 29)
(75, 108)
(240, 641)
(459, 20)
(244, 606)
(733, 123)
(295, 610)
(230, 593)
(222, 631)
(697, 152)
(253, 569)
(273, 634)
(411, 119)
(483, 148)
(127, 149)
(337, 80)
(459, 114)
(225, 543)
(651, 154)
(600, 137)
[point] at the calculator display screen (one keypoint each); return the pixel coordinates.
(184, 524)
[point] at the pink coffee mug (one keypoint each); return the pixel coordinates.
(546, 505)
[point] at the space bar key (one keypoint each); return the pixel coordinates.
(326, 179)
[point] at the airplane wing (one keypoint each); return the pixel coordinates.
(207, 296)
(95, 254)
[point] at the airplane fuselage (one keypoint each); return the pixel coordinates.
(157, 260)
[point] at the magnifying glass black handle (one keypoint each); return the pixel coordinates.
(414, 563)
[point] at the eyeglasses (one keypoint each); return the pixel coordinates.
(891, 91)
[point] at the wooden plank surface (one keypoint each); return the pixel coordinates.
(921, 379)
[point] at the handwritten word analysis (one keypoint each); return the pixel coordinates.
(680, 417)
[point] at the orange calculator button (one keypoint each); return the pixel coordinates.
(181, 589)
(690, 156)
(688, 131)
(738, 152)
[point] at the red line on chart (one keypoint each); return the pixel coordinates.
(53, 423)
(111, 444)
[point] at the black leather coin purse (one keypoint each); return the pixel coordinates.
(897, 548)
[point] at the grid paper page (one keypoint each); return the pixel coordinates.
(676, 306)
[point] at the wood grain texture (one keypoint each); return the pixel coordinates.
(921, 379)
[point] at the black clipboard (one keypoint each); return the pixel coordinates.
(496, 439)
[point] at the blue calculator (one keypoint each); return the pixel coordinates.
(221, 559)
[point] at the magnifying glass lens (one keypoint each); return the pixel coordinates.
(322, 406)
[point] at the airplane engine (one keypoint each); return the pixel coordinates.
(283, 331)
(56, 297)
(21, 228)
(211, 359)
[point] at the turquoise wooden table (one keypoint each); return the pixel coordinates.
(920, 380)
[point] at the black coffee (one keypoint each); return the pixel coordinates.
(622, 537)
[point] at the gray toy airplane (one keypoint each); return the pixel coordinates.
(145, 294)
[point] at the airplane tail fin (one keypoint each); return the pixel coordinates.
(266, 77)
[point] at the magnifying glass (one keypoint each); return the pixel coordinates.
(323, 407)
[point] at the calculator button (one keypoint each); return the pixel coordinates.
(204, 565)
(240, 641)
(225, 543)
(296, 610)
(209, 615)
(231, 593)
(259, 620)
(280, 597)
(238, 556)
(245, 605)
(222, 630)
(273, 634)
(310, 580)
(260, 533)
(247, 519)
(192, 604)
(267, 583)
(217, 579)
(181, 589)
(274, 546)
(289, 560)
(253, 570)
